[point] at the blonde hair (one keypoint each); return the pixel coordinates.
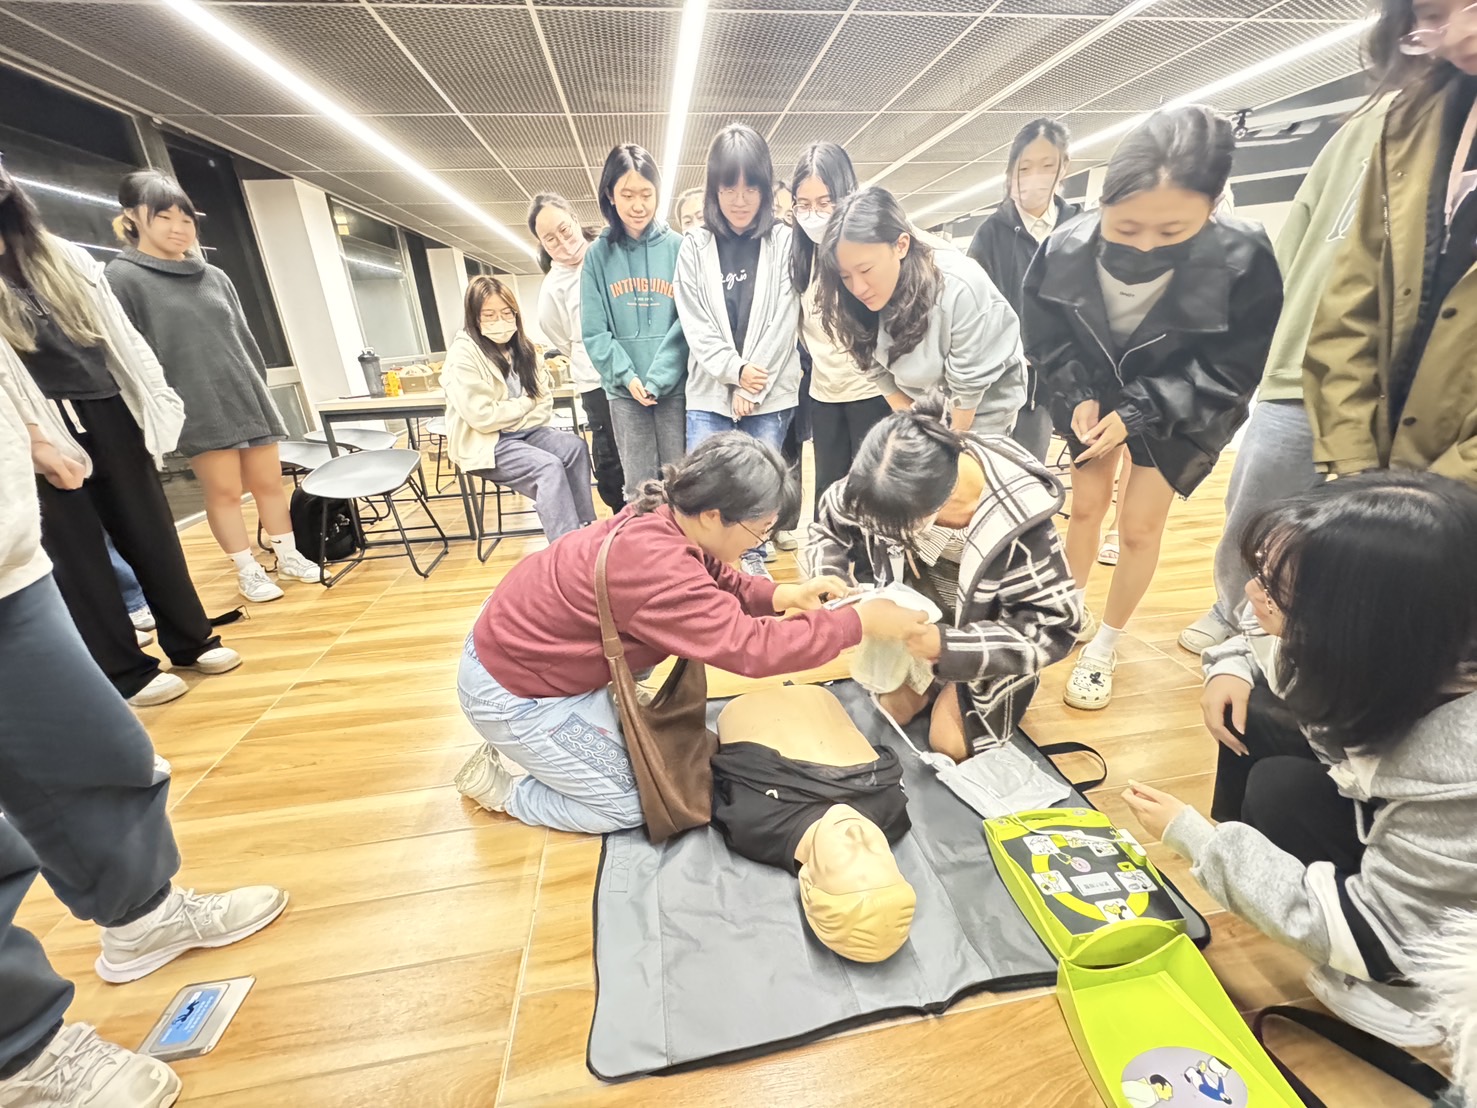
(57, 284)
(869, 925)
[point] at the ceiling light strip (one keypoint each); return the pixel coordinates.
(329, 109)
(1205, 92)
(684, 78)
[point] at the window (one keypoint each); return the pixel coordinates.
(384, 295)
(420, 268)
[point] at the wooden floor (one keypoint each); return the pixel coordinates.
(437, 955)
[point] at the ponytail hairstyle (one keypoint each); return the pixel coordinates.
(552, 200)
(732, 473)
(53, 280)
(832, 164)
(1052, 130)
(1189, 148)
(905, 469)
(154, 192)
(524, 362)
(873, 215)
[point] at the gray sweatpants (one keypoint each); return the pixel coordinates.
(1275, 461)
(82, 802)
(551, 468)
(648, 438)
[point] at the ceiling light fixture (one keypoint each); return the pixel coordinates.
(1266, 65)
(72, 194)
(684, 76)
(255, 56)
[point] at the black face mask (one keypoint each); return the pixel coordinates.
(1134, 267)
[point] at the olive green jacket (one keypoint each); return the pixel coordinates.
(1370, 312)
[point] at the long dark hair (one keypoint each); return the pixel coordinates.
(832, 164)
(733, 473)
(626, 158)
(154, 192)
(38, 255)
(1188, 147)
(1393, 70)
(739, 152)
(552, 200)
(524, 362)
(1374, 578)
(905, 469)
(1052, 130)
(873, 215)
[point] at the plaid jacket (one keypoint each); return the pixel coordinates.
(1017, 608)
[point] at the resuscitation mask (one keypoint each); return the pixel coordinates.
(814, 224)
(1033, 191)
(1134, 267)
(499, 332)
(881, 665)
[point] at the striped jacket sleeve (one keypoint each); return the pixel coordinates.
(1039, 614)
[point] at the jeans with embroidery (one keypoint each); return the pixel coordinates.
(579, 775)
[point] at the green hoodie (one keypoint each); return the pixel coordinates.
(1309, 241)
(629, 313)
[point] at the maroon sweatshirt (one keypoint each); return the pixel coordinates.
(539, 635)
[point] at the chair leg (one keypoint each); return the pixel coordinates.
(330, 579)
(484, 549)
(405, 538)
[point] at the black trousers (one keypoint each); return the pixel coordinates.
(124, 498)
(610, 480)
(838, 433)
(1283, 790)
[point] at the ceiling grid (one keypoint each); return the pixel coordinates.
(503, 100)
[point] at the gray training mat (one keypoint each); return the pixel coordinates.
(702, 956)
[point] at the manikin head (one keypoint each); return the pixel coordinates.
(855, 898)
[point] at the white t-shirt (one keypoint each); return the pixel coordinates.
(1040, 225)
(835, 378)
(559, 319)
(1127, 305)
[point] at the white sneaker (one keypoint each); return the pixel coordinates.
(220, 659)
(164, 688)
(295, 567)
(79, 1070)
(186, 921)
(485, 779)
(143, 619)
(1374, 1008)
(1090, 625)
(752, 563)
(254, 584)
(769, 552)
(1091, 685)
(144, 637)
(1205, 632)
(787, 540)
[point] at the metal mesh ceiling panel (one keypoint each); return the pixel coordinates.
(528, 141)
(702, 127)
(605, 59)
(485, 59)
(1075, 7)
(215, 129)
(869, 45)
(603, 133)
(35, 49)
(799, 129)
(893, 134)
(753, 61)
(320, 141)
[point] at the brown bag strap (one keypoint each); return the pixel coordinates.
(610, 637)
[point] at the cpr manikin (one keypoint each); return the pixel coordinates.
(797, 786)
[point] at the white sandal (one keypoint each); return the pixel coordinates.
(1090, 688)
(1107, 554)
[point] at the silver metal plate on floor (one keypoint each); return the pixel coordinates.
(195, 1019)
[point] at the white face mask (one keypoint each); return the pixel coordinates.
(499, 332)
(1034, 190)
(813, 224)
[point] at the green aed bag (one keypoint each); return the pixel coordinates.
(1087, 887)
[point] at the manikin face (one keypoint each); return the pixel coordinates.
(635, 202)
(1040, 168)
(849, 853)
(727, 541)
(1156, 217)
(739, 203)
(690, 213)
(169, 234)
(559, 234)
(1451, 26)
(870, 270)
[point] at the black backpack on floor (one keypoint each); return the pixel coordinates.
(306, 511)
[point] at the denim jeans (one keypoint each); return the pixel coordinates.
(647, 438)
(133, 593)
(1275, 461)
(770, 428)
(579, 775)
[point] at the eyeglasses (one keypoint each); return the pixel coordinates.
(1427, 40)
(507, 315)
(733, 192)
(768, 531)
(805, 207)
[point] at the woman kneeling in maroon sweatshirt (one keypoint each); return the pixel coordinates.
(534, 678)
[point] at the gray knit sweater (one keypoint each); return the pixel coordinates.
(190, 314)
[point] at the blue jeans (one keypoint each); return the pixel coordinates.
(133, 593)
(768, 428)
(579, 775)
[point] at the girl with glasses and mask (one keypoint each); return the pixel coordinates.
(739, 311)
(845, 404)
(499, 407)
(1149, 323)
(1005, 243)
(1389, 372)
(563, 243)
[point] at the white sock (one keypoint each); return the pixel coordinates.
(148, 922)
(1103, 643)
(284, 545)
(244, 560)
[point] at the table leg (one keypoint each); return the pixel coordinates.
(328, 435)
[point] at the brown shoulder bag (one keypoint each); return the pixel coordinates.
(667, 736)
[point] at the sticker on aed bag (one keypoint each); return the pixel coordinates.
(1183, 1078)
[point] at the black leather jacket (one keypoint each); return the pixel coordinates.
(1186, 378)
(1004, 248)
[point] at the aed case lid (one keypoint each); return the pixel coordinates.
(196, 1019)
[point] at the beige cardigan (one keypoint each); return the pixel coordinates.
(478, 407)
